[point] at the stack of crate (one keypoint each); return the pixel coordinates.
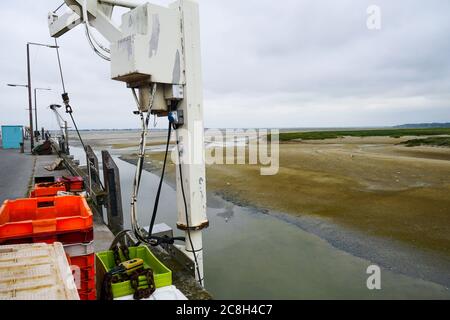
(79, 248)
(73, 184)
(66, 219)
(82, 256)
(35, 272)
(49, 189)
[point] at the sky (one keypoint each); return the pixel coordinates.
(266, 64)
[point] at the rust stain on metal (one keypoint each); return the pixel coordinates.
(184, 227)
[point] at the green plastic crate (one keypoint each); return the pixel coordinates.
(161, 274)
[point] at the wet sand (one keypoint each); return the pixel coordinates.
(291, 261)
(372, 185)
(360, 194)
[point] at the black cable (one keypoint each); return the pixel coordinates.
(158, 193)
(66, 96)
(156, 241)
(118, 237)
(101, 55)
(69, 110)
(186, 215)
(60, 6)
(153, 240)
(140, 159)
(155, 208)
(78, 132)
(60, 67)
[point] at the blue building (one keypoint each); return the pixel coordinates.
(12, 137)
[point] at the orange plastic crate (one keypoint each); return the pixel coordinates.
(79, 236)
(42, 216)
(47, 189)
(73, 184)
(87, 295)
(87, 285)
(87, 272)
(83, 261)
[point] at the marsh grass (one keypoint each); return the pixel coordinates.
(433, 141)
(394, 133)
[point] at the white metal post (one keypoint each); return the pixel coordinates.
(192, 137)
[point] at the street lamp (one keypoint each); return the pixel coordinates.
(30, 98)
(17, 85)
(35, 109)
(35, 101)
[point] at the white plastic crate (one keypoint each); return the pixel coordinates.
(164, 293)
(79, 249)
(36, 272)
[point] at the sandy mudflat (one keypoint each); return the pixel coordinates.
(370, 197)
(374, 186)
(371, 184)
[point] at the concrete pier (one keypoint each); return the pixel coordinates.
(16, 171)
(17, 174)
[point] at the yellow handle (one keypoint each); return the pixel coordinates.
(132, 264)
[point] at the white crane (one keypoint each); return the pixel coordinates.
(156, 52)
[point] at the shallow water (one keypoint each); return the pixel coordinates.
(252, 255)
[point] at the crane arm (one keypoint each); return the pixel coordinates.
(99, 16)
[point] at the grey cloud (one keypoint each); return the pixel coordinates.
(286, 63)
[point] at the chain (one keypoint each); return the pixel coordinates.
(139, 294)
(125, 252)
(142, 293)
(109, 279)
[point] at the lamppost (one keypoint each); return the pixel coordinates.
(17, 85)
(35, 109)
(35, 100)
(30, 98)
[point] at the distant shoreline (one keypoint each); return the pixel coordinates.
(338, 128)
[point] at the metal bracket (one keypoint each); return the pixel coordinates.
(177, 118)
